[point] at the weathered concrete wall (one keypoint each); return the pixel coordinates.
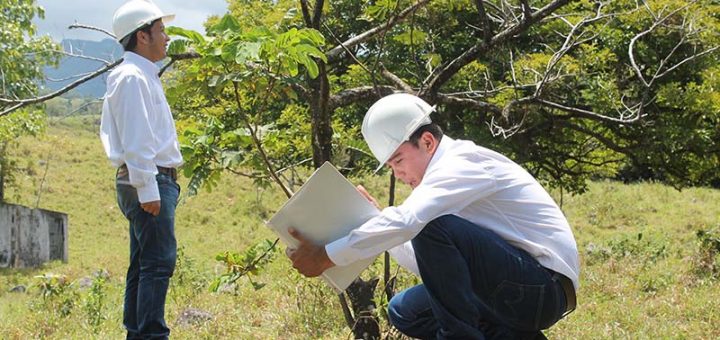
(31, 237)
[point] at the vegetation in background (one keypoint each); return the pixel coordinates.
(652, 286)
(578, 90)
(618, 89)
(22, 58)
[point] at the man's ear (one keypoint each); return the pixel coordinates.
(142, 37)
(428, 142)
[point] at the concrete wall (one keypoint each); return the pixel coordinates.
(31, 237)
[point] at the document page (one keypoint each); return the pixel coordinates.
(326, 208)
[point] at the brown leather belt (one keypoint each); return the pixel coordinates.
(172, 172)
(569, 289)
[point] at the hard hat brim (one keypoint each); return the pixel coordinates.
(421, 121)
(167, 18)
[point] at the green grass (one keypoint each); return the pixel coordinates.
(638, 248)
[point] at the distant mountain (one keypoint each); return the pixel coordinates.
(59, 77)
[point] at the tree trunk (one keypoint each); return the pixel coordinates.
(365, 325)
(321, 118)
(361, 295)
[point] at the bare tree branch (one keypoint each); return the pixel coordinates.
(18, 104)
(363, 93)
(336, 51)
(710, 50)
(602, 139)
(443, 74)
(92, 28)
(75, 55)
(589, 114)
(468, 102)
(256, 139)
(631, 46)
(396, 80)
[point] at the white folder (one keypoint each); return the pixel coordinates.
(326, 208)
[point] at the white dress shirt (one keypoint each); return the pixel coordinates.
(481, 186)
(137, 127)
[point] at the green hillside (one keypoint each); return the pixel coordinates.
(645, 271)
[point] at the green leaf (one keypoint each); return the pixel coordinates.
(214, 285)
(214, 80)
(177, 47)
(227, 23)
(195, 37)
(413, 37)
(247, 51)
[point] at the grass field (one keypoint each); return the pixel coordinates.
(645, 272)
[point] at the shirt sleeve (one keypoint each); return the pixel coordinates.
(444, 191)
(131, 106)
(404, 255)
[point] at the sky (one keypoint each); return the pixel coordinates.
(59, 14)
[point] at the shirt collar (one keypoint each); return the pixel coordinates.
(444, 145)
(143, 63)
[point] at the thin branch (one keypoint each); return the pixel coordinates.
(95, 101)
(165, 67)
(80, 56)
(631, 46)
(92, 28)
(602, 139)
(256, 140)
(347, 50)
(57, 80)
(26, 102)
(336, 51)
(686, 60)
(589, 114)
(363, 93)
(451, 68)
(396, 80)
(468, 102)
(17, 104)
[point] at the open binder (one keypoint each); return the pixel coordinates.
(326, 208)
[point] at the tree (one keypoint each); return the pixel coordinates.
(570, 89)
(22, 58)
(575, 89)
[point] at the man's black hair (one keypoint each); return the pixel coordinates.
(433, 128)
(132, 37)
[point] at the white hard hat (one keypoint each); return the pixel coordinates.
(135, 14)
(391, 121)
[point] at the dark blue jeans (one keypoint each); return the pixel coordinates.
(152, 259)
(475, 286)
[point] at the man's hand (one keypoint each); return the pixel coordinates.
(309, 259)
(152, 208)
(367, 195)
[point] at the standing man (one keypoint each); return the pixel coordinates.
(495, 253)
(138, 133)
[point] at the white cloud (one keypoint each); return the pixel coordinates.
(59, 14)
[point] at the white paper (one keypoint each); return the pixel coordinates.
(326, 208)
